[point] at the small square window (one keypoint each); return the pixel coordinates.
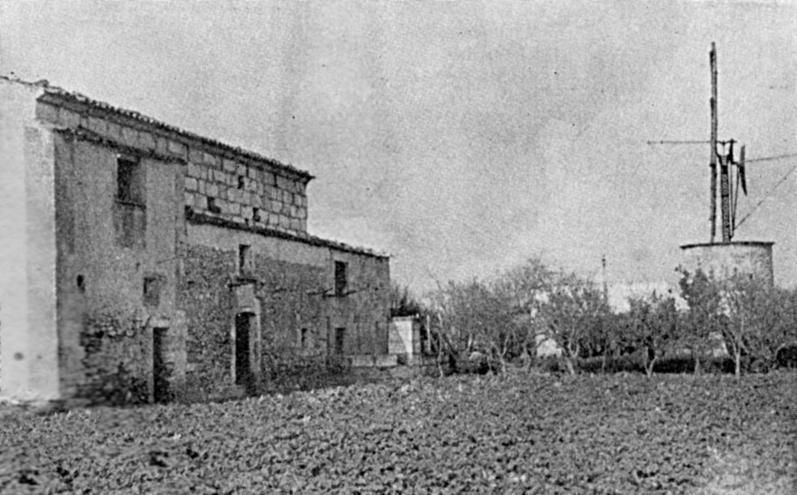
(152, 290)
(303, 338)
(244, 259)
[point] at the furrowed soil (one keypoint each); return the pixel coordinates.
(523, 433)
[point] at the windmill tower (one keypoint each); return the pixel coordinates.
(727, 257)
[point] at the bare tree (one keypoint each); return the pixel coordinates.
(759, 320)
(527, 284)
(568, 312)
(703, 318)
(653, 327)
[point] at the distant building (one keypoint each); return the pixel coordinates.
(621, 292)
(142, 262)
(407, 338)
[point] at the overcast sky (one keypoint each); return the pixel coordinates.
(460, 137)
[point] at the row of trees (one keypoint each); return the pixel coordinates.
(507, 317)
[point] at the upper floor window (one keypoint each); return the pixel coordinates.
(129, 214)
(129, 181)
(340, 278)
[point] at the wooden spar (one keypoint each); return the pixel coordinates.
(713, 143)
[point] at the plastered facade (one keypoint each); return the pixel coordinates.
(724, 260)
(147, 263)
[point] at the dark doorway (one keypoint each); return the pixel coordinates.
(160, 370)
(340, 338)
(243, 370)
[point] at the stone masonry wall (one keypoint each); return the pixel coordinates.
(298, 310)
(105, 327)
(243, 189)
(204, 295)
(245, 194)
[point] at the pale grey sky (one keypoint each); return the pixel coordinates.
(461, 137)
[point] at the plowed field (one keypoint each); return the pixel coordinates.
(519, 434)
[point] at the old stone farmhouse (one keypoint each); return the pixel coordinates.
(143, 262)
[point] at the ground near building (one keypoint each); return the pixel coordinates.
(525, 433)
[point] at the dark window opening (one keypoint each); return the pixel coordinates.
(256, 214)
(303, 338)
(241, 182)
(129, 181)
(243, 369)
(160, 368)
(212, 206)
(244, 258)
(81, 283)
(340, 278)
(152, 291)
(340, 338)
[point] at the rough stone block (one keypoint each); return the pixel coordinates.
(202, 186)
(195, 155)
(68, 118)
(229, 165)
(286, 196)
(282, 182)
(177, 148)
(200, 202)
(275, 206)
(296, 224)
(145, 140)
(191, 184)
(115, 131)
(252, 173)
(194, 170)
(210, 159)
(284, 222)
(241, 169)
(47, 113)
(98, 125)
(246, 213)
(162, 145)
(189, 199)
(212, 189)
(233, 208)
(129, 136)
(302, 213)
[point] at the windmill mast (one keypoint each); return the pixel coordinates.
(713, 142)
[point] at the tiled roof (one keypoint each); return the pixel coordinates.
(203, 218)
(80, 99)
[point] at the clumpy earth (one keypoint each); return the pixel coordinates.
(524, 433)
